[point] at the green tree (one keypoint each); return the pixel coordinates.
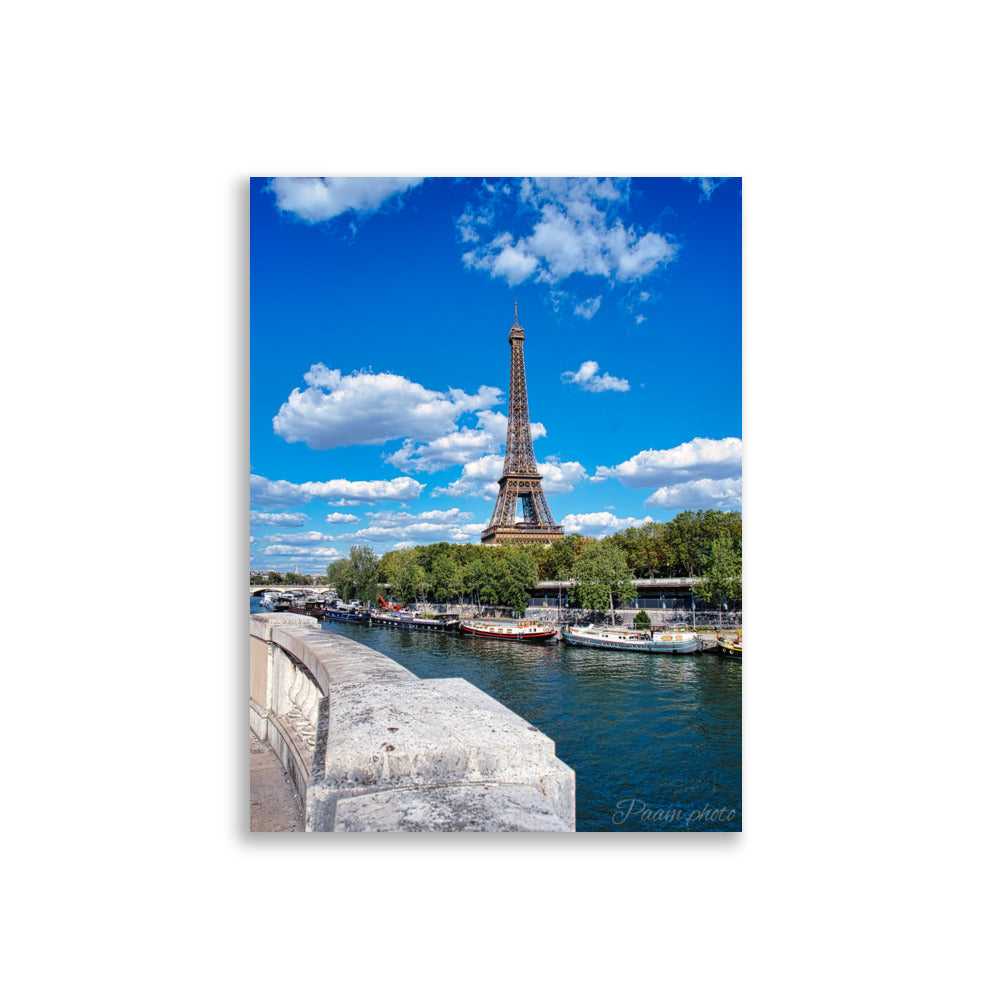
(447, 578)
(691, 533)
(364, 573)
(273, 577)
(602, 574)
(685, 538)
(556, 561)
(518, 574)
(723, 575)
(412, 582)
(403, 575)
(637, 544)
(340, 576)
(483, 576)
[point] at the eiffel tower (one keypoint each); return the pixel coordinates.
(521, 480)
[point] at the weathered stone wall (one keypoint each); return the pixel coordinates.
(371, 748)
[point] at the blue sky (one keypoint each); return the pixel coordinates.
(379, 362)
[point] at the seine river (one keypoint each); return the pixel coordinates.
(656, 741)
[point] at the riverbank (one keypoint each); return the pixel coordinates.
(703, 621)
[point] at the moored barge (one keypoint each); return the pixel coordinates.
(516, 629)
(413, 620)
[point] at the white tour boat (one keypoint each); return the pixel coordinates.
(611, 637)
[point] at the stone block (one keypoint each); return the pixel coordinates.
(333, 659)
(429, 733)
(262, 625)
(452, 809)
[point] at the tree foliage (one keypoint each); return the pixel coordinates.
(701, 543)
(602, 574)
(447, 578)
(401, 571)
(339, 576)
(356, 577)
(364, 573)
(723, 576)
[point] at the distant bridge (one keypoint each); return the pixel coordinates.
(256, 589)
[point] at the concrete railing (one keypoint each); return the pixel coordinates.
(369, 747)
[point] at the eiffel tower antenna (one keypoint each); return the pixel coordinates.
(521, 481)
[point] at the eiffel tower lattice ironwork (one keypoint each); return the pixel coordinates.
(521, 481)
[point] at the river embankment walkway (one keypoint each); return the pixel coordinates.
(273, 805)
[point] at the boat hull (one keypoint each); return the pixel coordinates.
(728, 649)
(510, 632)
(347, 616)
(413, 622)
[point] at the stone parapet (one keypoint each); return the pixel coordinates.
(375, 749)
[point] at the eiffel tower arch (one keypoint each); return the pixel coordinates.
(521, 482)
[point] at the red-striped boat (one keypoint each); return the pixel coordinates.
(515, 629)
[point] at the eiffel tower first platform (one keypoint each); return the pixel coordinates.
(521, 480)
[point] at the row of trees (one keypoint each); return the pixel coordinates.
(706, 544)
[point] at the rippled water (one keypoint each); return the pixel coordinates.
(655, 741)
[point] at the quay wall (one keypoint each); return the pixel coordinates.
(369, 747)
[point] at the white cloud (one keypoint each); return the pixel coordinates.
(281, 493)
(701, 494)
(302, 538)
(489, 435)
(502, 260)
(398, 527)
(600, 524)
(706, 185)
(560, 477)
(588, 307)
(479, 478)
(571, 234)
(277, 493)
(587, 378)
(400, 488)
(422, 532)
(299, 550)
(277, 520)
(342, 519)
(700, 458)
(372, 408)
(399, 518)
(316, 199)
